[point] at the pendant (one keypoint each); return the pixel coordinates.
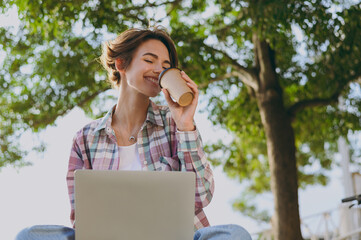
(131, 139)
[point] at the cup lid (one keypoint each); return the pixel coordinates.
(163, 72)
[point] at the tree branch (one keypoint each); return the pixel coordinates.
(247, 75)
(128, 11)
(50, 120)
(128, 14)
(174, 4)
(225, 76)
(312, 103)
(172, 8)
(298, 106)
(228, 75)
(148, 4)
(91, 97)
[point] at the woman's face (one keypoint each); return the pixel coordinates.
(149, 60)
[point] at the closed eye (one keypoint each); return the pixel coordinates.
(150, 61)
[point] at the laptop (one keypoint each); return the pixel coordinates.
(134, 205)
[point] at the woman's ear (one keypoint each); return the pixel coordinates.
(119, 65)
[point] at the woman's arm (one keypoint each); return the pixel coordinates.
(75, 162)
(191, 155)
(189, 144)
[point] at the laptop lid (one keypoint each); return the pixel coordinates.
(134, 205)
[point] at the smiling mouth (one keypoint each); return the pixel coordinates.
(152, 79)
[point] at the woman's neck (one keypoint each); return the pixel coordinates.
(131, 110)
(128, 118)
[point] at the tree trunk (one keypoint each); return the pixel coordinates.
(280, 147)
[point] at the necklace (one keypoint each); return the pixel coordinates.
(122, 131)
(132, 137)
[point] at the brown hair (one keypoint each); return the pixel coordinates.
(125, 45)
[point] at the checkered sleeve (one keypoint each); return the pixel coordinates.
(190, 151)
(75, 162)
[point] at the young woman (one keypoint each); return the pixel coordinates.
(136, 134)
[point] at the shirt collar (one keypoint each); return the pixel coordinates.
(153, 116)
(106, 120)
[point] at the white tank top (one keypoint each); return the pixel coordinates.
(129, 158)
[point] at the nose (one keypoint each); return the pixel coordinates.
(158, 68)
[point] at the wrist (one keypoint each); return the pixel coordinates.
(186, 128)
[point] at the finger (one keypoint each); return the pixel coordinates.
(188, 80)
(196, 95)
(192, 85)
(168, 98)
(194, 89)
(186, 77)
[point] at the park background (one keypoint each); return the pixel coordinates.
(37, 194)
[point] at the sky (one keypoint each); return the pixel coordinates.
(37, 194)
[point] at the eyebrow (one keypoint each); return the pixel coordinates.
(155, 56)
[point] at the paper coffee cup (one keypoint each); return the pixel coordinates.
(172, 80)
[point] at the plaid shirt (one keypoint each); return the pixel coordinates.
(161, 148)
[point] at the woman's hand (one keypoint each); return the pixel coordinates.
(183, 116)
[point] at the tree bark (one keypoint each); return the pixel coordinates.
(280, 146)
